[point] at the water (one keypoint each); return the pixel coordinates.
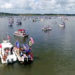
(54, 51)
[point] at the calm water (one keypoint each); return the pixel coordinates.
(54, 51)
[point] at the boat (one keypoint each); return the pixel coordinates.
(11, 22)
(21, 33)
(10, 25)
(7, 54)
(62, 25)
(47, 28)
(19, 22)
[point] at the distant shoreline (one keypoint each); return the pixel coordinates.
(11, 14)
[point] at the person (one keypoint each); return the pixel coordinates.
(25, 57)
(17, 44)
(6, 51)
(16, 50)
(21, 53)
(28, 51)
(4, 57)
(12, 50)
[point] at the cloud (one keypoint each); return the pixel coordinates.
(38, 6)
(43, 4)
(6, 5)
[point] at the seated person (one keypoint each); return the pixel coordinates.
(28, 51)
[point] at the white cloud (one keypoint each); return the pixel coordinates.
(41, 6)
(6, 5)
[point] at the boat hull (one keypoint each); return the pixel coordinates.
(20, 35)
(61, 25)
(45, 29)
(25, 62)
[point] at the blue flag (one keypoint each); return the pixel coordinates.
(17, 44)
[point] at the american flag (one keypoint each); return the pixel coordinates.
(8, 37)
(0, 46)
(32, 40)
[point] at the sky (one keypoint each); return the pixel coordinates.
(38, 6)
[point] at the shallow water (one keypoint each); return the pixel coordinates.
(54, 51)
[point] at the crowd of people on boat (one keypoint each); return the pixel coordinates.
(24, 52)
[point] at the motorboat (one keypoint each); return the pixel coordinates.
(21, 33)
(62, 25)
(47, 28)
(19, 22)
(11, 22)
(7, 54)
(10, 25)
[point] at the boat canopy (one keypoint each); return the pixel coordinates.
(21, 29)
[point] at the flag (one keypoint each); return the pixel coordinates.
(31, 56)
(0, 46)
(17, 44)
(26, 47)
(30, 43)
(32, 40)
(8, 37)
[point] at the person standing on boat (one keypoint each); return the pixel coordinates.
(28, 51)
(17, 44)
(6, 51)
(24, 48)
(25, 57)
(17, 47)
(12, 50)
(21, 52)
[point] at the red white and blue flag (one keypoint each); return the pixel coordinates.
(32, 40)
(8, 37)
(0, 45)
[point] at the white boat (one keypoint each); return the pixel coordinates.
(7, 54)
(62, 25)
(20, 32)
(47, 28)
